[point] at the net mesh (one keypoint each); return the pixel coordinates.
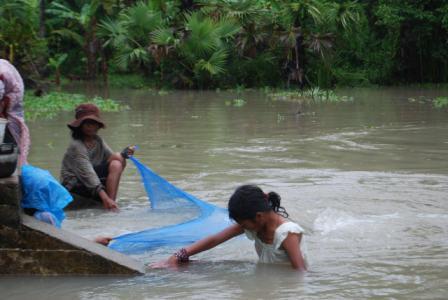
(164, 195)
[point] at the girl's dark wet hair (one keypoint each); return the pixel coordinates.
(247, 200)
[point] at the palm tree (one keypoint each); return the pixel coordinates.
(42, 8)
(312, 26)
(203, 45)
(130, 34)
(338, 18)
(253, 17)
(295, 22)
(55, 63)
(253, 55)
(346, 15)
(81, 26)
(18, 34)
(162, 47)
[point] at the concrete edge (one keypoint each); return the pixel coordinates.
(83, 244)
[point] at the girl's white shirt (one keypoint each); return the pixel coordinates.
(273, 253)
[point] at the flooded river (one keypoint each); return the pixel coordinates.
(368, 180)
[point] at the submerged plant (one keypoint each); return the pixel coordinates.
(238, 102)
(310, 95)
(440, 102)
(51, 104)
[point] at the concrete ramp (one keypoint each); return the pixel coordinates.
(31, 247)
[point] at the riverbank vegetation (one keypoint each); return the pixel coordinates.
(225, 43)
(441, 102)
(315, 95)
(49, 105)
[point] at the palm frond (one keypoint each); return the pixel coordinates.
(62, 12)
(86, 14)
(57, 61)
(346, 14)
(202, 36)
(140, 20)
(321, 43)
(307, 8)
(70, 34)
(128, 55)
(227, 28)
(163, 36)
(112, 32)
(214, 65)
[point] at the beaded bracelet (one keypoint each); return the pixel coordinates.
(182, 255)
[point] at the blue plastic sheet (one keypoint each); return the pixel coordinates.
(43, 192)
(163, 195)
(47, 217)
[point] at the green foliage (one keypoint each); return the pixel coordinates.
(314, 95)
(19, 41)
(204, 46)
(76, 22)
(412, 29)
(440, 102)
(57, 61)
(49, 105)
(238, 102)
(129, 35)
(223, 43)
(133, 81)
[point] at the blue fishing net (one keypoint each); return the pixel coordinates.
(165, 196)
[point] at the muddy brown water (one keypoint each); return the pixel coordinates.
(367, 179)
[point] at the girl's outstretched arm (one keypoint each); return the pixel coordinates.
(214, 240)
(204, 244)
(292, 246)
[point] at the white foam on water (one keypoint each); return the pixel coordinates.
(333, 220)
(249, 149)
(433, 216)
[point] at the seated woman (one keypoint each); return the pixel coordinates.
(89, 167)
(11, 108)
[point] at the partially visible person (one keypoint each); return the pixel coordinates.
(260, 216)
(89, 167)
(11, 108)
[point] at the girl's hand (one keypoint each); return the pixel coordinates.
(171, 262)
(131, 150)
(103, 240)
(128, 152)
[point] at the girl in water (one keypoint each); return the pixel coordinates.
(262, 219)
